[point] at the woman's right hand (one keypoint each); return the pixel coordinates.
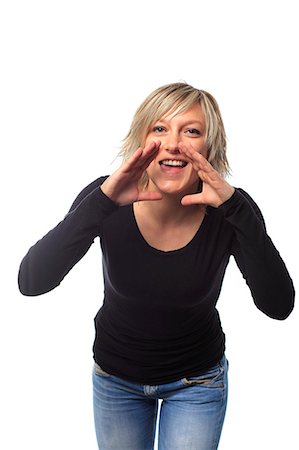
(122, 187)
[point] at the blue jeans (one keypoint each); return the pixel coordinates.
(191, 415)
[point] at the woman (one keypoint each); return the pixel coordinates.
(168, 222)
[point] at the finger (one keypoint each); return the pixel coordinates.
(152, 147)
(133, 158)
(198, 161)
(197, 158)
(148, 155)
(150, 152)
(145, 155)
(135, 161)
(187, 149)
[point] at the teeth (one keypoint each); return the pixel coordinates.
(171, 162)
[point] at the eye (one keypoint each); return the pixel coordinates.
(193, 131)
(158, 129)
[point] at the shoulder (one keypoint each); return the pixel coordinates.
(87, 190)
(241, 202)
(250, 200)
(92, 186)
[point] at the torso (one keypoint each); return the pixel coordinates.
(158, 321)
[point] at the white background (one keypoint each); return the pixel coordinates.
(72, 75)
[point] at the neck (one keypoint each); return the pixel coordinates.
(169, 209)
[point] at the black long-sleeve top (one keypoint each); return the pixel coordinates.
(159, 322)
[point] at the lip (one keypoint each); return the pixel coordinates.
(171, 170)
(174, 159)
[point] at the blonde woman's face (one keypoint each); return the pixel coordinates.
(170, 172)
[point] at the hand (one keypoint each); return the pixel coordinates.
(122, 186)
(215, 189)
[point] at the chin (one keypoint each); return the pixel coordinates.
(174, 187)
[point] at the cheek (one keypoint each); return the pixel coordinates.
(204, 151)
(149, 138)
(146, 141)
(151, 167)
(193, 175)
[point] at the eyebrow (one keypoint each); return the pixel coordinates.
(188, 122)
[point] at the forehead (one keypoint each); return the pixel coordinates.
(194, 113)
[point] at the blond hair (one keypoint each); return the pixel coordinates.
(177, 98)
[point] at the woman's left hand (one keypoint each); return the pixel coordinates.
(215, 189)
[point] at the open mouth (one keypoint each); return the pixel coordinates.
(173, 163)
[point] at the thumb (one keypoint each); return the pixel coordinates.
(149, 196)
(192, 199)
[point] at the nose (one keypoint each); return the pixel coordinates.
(171, 143)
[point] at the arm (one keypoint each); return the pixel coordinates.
(257, 258)
(52, 257)
(259, 261)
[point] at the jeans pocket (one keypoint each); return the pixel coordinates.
(213, 378)
(99, 371)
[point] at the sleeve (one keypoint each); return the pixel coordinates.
(257, 258)
(52, 257)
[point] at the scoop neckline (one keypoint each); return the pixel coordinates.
(169, 252)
